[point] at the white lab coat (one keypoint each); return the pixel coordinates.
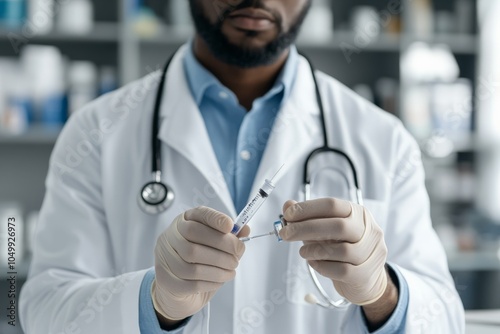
(94, 245)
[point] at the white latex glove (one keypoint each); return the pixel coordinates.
(194, 257)
(343, 242)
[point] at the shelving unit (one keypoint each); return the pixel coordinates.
(36, 135)
(458, 43)
(105, 32)
(113, 41)
(474, 261)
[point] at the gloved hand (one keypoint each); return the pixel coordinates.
(194, 257)
(343, 242)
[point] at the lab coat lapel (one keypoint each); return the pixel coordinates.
(183, 129)
(294, 131)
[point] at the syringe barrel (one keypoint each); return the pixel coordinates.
(267, 187)
(253, 206)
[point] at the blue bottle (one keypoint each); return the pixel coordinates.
(12, 13)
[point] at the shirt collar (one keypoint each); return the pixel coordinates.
(200, 79)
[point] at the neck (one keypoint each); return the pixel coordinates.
(246, 83)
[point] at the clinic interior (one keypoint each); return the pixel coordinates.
(435, 64)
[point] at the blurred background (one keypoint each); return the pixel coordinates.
(435, 64)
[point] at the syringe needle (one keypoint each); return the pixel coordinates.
(253, 206)
(275, 174)
(257, 236)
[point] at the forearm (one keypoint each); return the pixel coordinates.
(380, 311)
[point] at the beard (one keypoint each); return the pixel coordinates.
(244, 57)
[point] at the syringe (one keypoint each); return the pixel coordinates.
(253, 206)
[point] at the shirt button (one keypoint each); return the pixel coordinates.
(245, 155)
(223, 95)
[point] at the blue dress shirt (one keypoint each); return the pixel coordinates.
(239, 138)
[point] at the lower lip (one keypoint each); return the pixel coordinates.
(249, 23)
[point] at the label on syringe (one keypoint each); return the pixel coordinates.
(247, 213)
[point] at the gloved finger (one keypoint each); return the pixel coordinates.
(210, 217)
(201, 272)
(349, 273)
(318, 208)
(336, 251)
(337, 229)
(288, 204)
(335, 270)
(355, 253)
(245, 232)
(193, 272)
(200, 254)
(204, 235)
(180, 286)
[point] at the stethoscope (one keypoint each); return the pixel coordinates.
(156, 196)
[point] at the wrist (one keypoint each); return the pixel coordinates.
(165, 322)
(168, 324)
(378, 312)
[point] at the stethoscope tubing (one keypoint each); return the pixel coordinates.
(156, 168)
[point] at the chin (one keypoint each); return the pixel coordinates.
(249, 40)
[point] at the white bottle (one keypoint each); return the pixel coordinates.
(14, 98)
(41, 16)
(76, 17)
(365, 22)
(107, 80)
(318, 24)
(82, 80)
(421, 18)
(45, 67)
(18, 103)
(179, 14)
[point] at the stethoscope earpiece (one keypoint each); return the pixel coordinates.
(313, 300)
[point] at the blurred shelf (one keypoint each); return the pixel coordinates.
(484, 317)
(458, 43)
(448, 147)
(168, 36)
(103, 32)
(472, 328)
(345, 40)
(449, 202)
(34, 135)
(474, 261)
(465, 144)
(341, 40)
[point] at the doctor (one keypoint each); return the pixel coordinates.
(238, 102)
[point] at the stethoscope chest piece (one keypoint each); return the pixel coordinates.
(155, 197)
